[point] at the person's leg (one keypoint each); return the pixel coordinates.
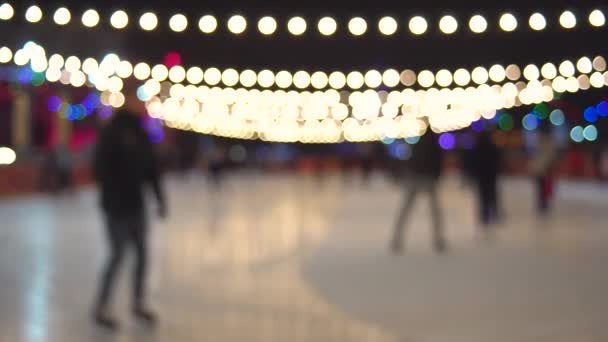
(438, 233)
(139, 237)
(483, 202)
(116, 241)
(408, 202)
(541, 195)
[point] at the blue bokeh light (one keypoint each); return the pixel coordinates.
(412, 140)
(557, 117)
(590, 114)
(576, 134)
(602, 108)
(447, 141)
(54, 104)
(530, 122)
(590, 133)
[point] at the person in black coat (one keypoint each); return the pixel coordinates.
(486, 161)
(125, 164)
(422, 174)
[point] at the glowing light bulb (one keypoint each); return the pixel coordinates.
(141, 71)
(537, 22)
(418, 25)
(178, 23)
(448, 24)
(6, 11)
(387, 26)
(148, 21)
(194, 75)
(237, 24)
(33, 14)
(296, 26)
(267, 25)
(327, 26)
(426, 78)
(63, 16)
(478, 24)
(207, 24)
(567, 19)
(597, 18)
(119, 20)
(357, 26)
(508, 22)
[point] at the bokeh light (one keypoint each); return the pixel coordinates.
(426, 78)
(508, 22)
(447, 141)
(248, 78)
(597, 18)
(33, 14)
(584, 65)
(319, 80)
(194, 75)
(63, 16)
(590, 133)
(548, 71)
(566, 69)
(6, 11)
(390, 78)
(480, 75)
(237, 24)
(373, 78)
(497, 73)
(590, 114)
(212, 76)
(296, 26)
(505, 122)
(444, 78)
(267, 25)
(530, 122)
(576, 134)
(418, 25)
(119, 20)
(160, 72)
(478, 24)
(357, 26)
(448, 24)
(178, 23)
(567, 19)
(557, 117)
(462, 77)
(5, 55)
(387, 26)
(141, 71)
(327, 26)
(301, 79)
(177, 74)
(538, 22)
(7, 156)
(355, 79)
(230, 77)
(148, 21)
(207, 24)
(283, 79)
(337, 80)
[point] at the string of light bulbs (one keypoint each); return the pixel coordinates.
(110, 70)
(321, 116)
(296, 26)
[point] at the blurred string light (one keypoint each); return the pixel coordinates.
(63, 16)
(267, 25)
(33, 14)
(377, 114)
(568, 81)
(178, 23)
(357, 26)
(148, 21)
(207, 24)
(538, 22)
(296, 26)
(448, 24)
(7, 156)
(327, 26)
(90, 18)
(237, 24)
(597, 18)
(119, 19)
(567, 20)
(387, 26)
(508, 22)
(6, 11)
(478, 24)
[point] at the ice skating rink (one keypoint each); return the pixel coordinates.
(294, 258)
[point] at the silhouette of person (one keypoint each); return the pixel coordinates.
(424, 172)
(485, 167)
(125, 162)
(541, 167)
